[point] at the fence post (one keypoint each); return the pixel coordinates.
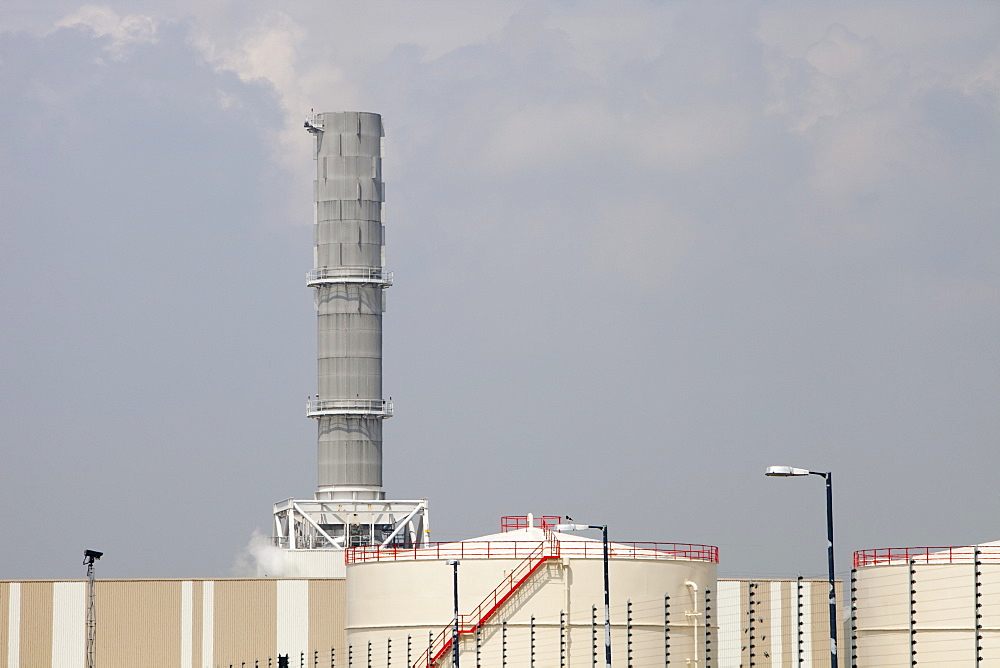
(913, 611)
(799, 630)
(409, 648)
(503, 643)
(628, 633)
(430, 647)
(479, 647)
(562, 639)
(666, 629)
(708, 628)
(350, 656)
(854, 617)
(593, 636)
(388, 653)
(751, 628)
(978, 609)
(369, 661)
(532, 641)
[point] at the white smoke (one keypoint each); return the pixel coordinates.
(259, 558)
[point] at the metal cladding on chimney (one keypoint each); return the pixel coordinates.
(349, 278)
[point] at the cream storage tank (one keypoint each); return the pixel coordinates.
(927, 606)
(531, 595)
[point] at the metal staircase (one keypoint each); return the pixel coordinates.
(441, 646)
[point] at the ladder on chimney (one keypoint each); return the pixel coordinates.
(441, 646)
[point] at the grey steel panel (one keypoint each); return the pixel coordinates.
(350, 298)
(349, 343)
(348, 255)
(349, 231)
(350, 451)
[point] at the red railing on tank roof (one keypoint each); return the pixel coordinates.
(515, 522)
(588, 549)
(895, 556)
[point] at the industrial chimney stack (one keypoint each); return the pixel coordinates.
(349, 279)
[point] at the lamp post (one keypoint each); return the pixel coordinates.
(790, 471)
(607, 596)
(454, 632)
(89, 557)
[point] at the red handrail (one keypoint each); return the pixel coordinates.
(966, 554)
(522, 549)
(515, 522)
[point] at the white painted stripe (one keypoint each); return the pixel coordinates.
(807, 644)
(777, 640)
(730, 619)
(69, 624)
(293, 617)
(14, 625)
(187, 622)
(207, 624)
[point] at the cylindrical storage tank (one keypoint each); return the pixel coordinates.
(533, 595)
(936, 606)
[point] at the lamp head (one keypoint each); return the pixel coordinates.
(453, 562)
(570, 527)
(784, 471)
(92, 554)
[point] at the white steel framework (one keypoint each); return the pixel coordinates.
(318, 524)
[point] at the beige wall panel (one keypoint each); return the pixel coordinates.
(36, 625)
(327, 614)
(245, 620)
(139, 623)
(197, 591)
(819, 614)
(4, 620)
(782, 636)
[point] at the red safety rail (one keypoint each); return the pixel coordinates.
(896, 556)
(594, 549)
(544, 551)
(498, 549)
(470, 549)
(515, 522)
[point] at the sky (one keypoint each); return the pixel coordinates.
(642, 250)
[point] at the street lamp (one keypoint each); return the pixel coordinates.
(790, 471)
(607, 597)
(454, 633)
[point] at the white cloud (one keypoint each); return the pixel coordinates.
(123, 31)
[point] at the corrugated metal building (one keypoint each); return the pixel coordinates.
(171, 623)
(779, 623)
